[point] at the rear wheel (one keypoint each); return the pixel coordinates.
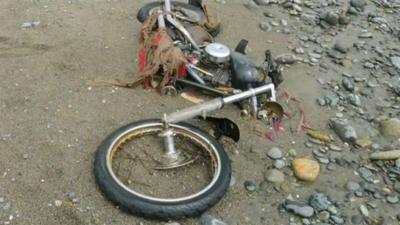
(130, 171)
(195, 13)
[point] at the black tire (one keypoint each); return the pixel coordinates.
(144, 12)
(154, 209)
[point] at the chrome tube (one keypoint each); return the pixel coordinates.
(217, 103)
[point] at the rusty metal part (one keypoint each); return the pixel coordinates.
(274, 110)
(169, 90)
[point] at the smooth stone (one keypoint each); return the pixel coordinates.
(265, 26)
(306, 169)
(275, 153)
(397, 163)
(331, 18)
(392, 198)
(73, 197)
(352, 186)
(348, 84)
(251, 5)
(207, 219)
(365, 35)
(249, 186)
(356, 219)
(346, 132)
(395, 60)
(354, 100)
(358, 4)
(385, 155)
(337, 220)
(341, 47)
(344, 20)
(364, 143)
(323, 216)
(396, 186)
(364, 211)
(274, 176)
(299, 209)
(319, 201)
(390, 128)
(366, 174)
(286, 59)
(279, 164)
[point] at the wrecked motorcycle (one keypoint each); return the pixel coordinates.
(188, 56)
(166, 168)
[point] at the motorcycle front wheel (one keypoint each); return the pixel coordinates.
(131, 171)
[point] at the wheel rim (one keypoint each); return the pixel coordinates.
(145, 191)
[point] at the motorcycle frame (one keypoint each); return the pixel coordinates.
(170, 152)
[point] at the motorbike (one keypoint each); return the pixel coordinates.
(166, 168)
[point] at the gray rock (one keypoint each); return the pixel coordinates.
(356, 219)
(395, 60)
(299, 209)
(354, 100)
(334, 54)
(321, 101)
(369, 65)
(348, 84)
(341, 47)
(366, 174)
(73, 197)
(172, 223)
(265, 26)
(249, 186)
(332, 209)
(358, 4)
(346, 132)
(207, 219)
(5, 205)
(365, 35)
(25, 156)
(392, 198)
(310, 18)
(352, 186)
(397, 163)
(306, 221)
(331, 18)
(275, 153)
(274, 176)
(396, 186)
(279, 164)
(344, 20)
(299, 50)
(286, 59)
(390, 128)
(323, 216)
(337, 220)
(251, 5)
(323, 160)
(364, 210)
(319, 201)
(262, 2)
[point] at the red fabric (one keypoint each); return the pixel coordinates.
(182, 71)
(142, 66)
